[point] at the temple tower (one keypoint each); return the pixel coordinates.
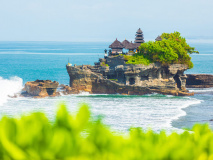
(139, 37)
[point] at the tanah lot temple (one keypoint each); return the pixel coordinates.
(112, 75)
(117, 46)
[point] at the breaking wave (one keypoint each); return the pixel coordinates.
(9, 87)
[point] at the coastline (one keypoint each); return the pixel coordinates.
(198, 113)
(32, 64)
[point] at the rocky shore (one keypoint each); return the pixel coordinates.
(84, 79)
(87, 81)
(45, 88)
(199, 81)
(40, 89)
(119, 78)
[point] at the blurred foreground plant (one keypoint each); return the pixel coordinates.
(81, 138)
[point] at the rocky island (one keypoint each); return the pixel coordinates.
(145, 68)
(129, 79)
(40, 89)
(139, 71)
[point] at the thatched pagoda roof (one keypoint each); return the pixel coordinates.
(116, 45)
(125, 43)
(131, 46)
(139, 31)
(139, 36)
(137, 44)
(139, 41)
(158, 38)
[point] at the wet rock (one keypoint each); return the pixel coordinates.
(199, 81)
(40, 89)
(132, 80)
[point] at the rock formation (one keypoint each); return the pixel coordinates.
(199, 81)
(118, 77)
(40, 88)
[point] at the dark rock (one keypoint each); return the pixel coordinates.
(199, 81)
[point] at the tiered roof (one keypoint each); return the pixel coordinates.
(125, 43)
(116, 45)
(137, 44)
(158, 38)
(131, 46)
(139, 31)
(139, 36)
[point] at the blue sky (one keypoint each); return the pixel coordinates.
(98, 20)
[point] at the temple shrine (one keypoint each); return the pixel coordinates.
(117, 47)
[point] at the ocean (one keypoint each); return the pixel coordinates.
(27, 61)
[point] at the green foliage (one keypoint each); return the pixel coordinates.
(171, 49)
(113, 79)
(104, 64)
(81, 138)
(137, 59)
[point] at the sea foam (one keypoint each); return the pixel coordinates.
(9, 87)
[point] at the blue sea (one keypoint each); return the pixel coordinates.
(27, 61)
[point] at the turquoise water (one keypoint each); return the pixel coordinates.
(27, 61)
(46, 60)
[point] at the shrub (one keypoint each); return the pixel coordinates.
(171, 49)
(80, 137)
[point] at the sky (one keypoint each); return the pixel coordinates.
(104, 20)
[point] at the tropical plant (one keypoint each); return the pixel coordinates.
(79, 137)
(171, 49)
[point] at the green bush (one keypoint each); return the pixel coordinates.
(80, 137)
(104, 64)
(171, 49)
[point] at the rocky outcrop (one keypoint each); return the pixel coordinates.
(199, 81)
(40, 88)
(65, 89)
(147, 79)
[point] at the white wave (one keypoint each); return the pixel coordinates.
(9, 87)
(200, 90)
(181, 113)
(120, 113)
(84, 93)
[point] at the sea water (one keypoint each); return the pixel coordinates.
(27, 61)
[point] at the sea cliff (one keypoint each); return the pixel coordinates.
(129, 79)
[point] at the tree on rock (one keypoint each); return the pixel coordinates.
(171, 49)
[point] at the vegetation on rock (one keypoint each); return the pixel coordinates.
(80, 137)
(171, 49)
(104, 64)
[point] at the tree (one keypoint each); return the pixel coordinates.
(171, 49)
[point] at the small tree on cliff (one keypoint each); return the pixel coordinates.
(171, 49)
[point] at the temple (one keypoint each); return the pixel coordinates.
(158, 38)
(139, 37)
(117, 47)
(131, 47)
(112, 75)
